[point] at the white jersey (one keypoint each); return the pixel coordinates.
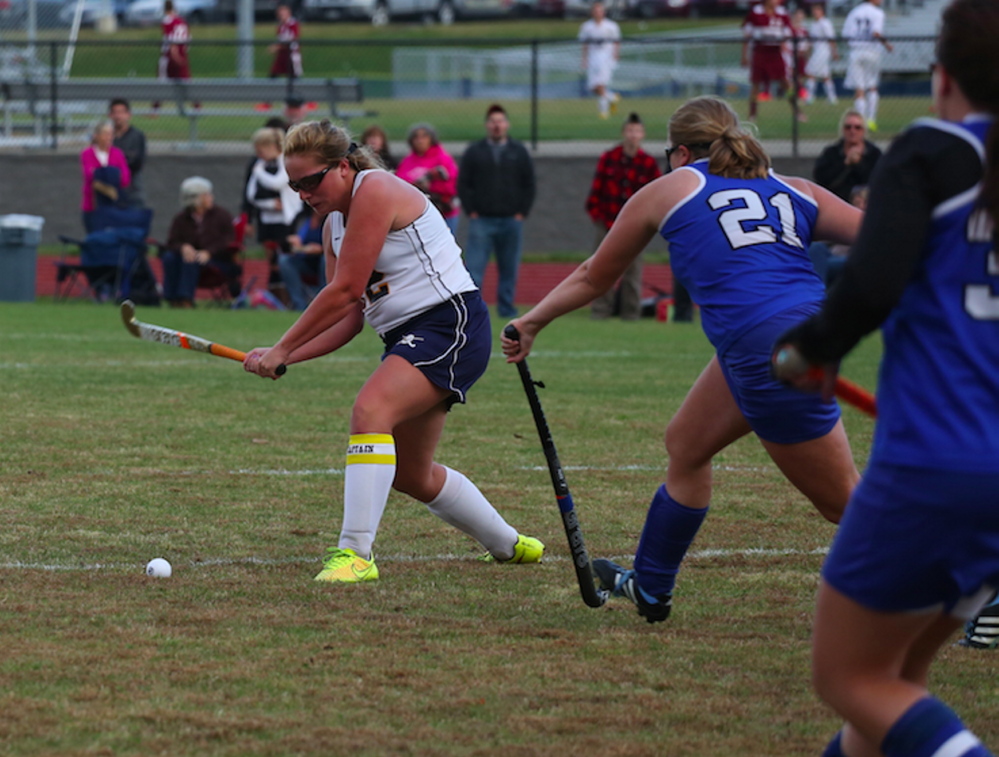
(599, 41)
(862, 24)
(821, 32)
(419, 267)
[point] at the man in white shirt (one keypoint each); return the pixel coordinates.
(864, 30)
(601, 38)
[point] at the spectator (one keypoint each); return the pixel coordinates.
(304, 262)
(429, 167)
(496, 187)
(823, 37)
(201, 235)
(864, 29)
(849, 162)
(276, 205)
(174, 63)
(287, 54)
(105, 173)
(620, 173)
(828, 259)
(601, 38)
(376, 138)
(132, 143)
(766, 29)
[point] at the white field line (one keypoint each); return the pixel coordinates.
(215, 562)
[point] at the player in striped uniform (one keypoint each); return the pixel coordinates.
(818, 68)
(917, 553)
(286, 51)
(864, 31)
(391, 261)
(738, 238)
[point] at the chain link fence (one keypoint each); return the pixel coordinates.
(54, 88)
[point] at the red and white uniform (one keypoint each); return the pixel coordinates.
(767, 33)
(174, 63)
(287, 57)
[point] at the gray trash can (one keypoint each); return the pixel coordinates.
(19, 238)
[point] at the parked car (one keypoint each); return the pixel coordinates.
(691, 8)
(92, 10)
(150, 12)
(379, 12)
(14, 14)
(263, 10)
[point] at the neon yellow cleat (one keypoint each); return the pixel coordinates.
(526, 550)
(344, 566)
(613, 103)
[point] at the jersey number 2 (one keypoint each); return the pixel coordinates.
(735, 222)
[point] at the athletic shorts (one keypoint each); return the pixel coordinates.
(864, 70)
(819, 64)
(775, 412)
(450, 343)
(914, 539)
(768, 65)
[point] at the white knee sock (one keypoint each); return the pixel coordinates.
(462, 505)
(831, 91)
(604, 103)
(860, 105)
(872, 105)
(367, 481)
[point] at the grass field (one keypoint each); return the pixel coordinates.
(116, 451)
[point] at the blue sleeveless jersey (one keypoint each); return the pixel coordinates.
(938, 398)
(740, 246)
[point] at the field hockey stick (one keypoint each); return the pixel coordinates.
(592, 596)
(163, 335)
(787, 361)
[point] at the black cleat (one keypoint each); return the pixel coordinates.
(621, 583)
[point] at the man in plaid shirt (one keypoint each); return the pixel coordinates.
(621, 172)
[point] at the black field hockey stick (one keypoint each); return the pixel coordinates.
(592, 596)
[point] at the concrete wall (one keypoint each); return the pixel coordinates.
(49, 185)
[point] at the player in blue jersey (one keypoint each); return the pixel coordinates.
(917, 554)
(739, 237)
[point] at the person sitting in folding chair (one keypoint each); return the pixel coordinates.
(199, 248)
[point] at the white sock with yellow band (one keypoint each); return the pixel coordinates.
(367, 481)
(462, 505)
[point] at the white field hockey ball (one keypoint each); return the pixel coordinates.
(159, 568)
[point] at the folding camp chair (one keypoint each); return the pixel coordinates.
(112, 259)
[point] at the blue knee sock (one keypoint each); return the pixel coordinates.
(669, 531)
(835, 747)
(925, 727)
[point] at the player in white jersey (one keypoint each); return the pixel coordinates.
(601, 38)
(864, 29)
(391, 261)
(819, 67)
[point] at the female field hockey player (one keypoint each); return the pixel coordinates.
(739, 238)
(391, 261)
(918, 551)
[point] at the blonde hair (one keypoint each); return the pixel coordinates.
(330, 144)
(709, 127)
(852, 113)
(268, 136)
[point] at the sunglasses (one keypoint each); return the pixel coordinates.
(691, 148)
(851, 127)
(311, 182)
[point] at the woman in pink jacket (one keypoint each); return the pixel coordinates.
(99, 155)
(430, 168)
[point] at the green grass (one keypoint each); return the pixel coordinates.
(116, 451)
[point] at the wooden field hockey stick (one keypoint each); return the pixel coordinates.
(592, 596)
(172, 338)
(787, 361)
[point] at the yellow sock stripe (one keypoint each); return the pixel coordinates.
(371, 449)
